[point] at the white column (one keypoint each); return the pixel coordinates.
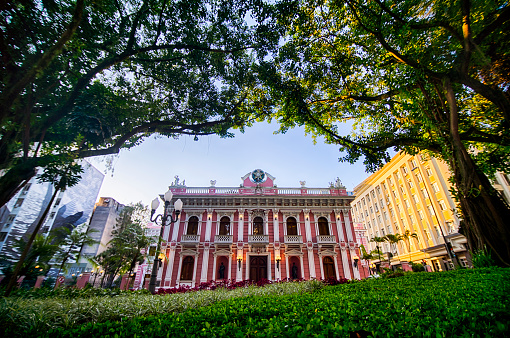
(322, 267)
(170, 265)
(308, 230)
(239, 272)
(208, 225)
(179, 270)
(287, 265)
(336, 267)
(277, 272)
(193, 281)
(175, 229)
(240, 225)
(276, 225)
(338, 218)
(302, 267)
(311, 263)
(229, 267)
(214, 268)
(355, 269)
(347, 225)
(205, 264)
(269, 263)
(345, 264)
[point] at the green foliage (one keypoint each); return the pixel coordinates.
(389, 273)
(482, 258)
(417, 267)
(87, 78)
(462, 303)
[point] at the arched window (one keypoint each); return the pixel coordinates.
(188, 264)
(192, 226)
(323, 226)
(291, 226)
(329, 267)
(224, 226)
(258, 226)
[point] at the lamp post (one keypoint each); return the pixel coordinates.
(355, 259)
(164, 219)
(447, 245)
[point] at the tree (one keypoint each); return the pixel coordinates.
(378, 240)
(126, 247)
(406, 237)
(87, 78)
(410, 75)
(37, 260)
(393, 240)
(61, 176)
(71, 244)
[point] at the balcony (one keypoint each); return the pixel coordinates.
(258, 239)
(293, 239)
(223, 239)
(190, 239)
(326, 239)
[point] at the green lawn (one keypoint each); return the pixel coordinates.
(465, 303)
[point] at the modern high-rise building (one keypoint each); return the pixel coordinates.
(411, 193)
(259, 231)
(70, 208)
(103, 221)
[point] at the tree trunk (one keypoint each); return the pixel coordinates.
(485, 213)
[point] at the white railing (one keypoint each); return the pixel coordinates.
(326, 239)
(290, 239)
(197, 190)
(233, 191)
(289, 191)
(258, 238)
(317, 191)
(190, 238)
(223, 239)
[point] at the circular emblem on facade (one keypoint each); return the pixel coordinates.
(258, 176)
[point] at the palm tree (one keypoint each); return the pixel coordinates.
(406, 236)
(73, 241)
(378, 240)
(393, 239)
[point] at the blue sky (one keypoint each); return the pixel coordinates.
(143, 172)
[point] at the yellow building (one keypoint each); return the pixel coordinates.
(411, 193)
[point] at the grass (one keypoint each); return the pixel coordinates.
(465, 303)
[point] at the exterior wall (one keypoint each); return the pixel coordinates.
(240, 249)
(71, 207)
(103, 220)
(411, 193)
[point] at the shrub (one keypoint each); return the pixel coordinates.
(388, 273)
(417, 267)
(482, 258)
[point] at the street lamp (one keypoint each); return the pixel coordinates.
(163, 220)
(355, 259)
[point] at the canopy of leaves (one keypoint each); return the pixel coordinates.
(383, 64)
(88, 78)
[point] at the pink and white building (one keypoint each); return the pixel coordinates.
(258, 231)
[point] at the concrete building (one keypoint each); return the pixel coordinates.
(70, 208)
(103, 221)
(411, 193)
(259, 231)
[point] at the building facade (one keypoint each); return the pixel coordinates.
(70, 208)
(259, 231)
(103, 221)
(411, 193)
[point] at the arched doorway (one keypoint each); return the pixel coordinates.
(258, 226)
(329, 267)
(323, 226)
(291, 226)
(224, 226)
(188, 264)
(258, 268)
(192, 226)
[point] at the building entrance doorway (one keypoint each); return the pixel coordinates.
(258, 268)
